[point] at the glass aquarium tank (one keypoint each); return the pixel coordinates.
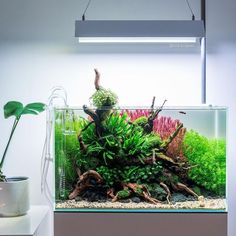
(139, 159)
(148, 159)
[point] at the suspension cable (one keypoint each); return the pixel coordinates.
(191, 10)
(88, 4)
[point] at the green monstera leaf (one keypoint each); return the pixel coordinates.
(33, 108)
(14, 108)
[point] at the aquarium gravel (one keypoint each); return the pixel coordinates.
(216, 204)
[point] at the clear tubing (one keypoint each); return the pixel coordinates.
(46, 154)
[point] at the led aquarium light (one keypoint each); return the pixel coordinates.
(137, 40)
(139, 31)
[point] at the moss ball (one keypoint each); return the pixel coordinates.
(104, 98)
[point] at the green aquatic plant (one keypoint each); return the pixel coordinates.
(130, 174)
(103, 97)
(156, 191)
(67, 150)
(123, 194)
(120, 140)
(209, 158)
(142, 174)
(109, 175)
(141, 121)
(17, 109)
(154, 140)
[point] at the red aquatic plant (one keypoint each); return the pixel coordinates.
(135, 114)
(175, 148)
(164, 126)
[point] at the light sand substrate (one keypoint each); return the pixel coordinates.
(213, 204)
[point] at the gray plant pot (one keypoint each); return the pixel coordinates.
(14, 197)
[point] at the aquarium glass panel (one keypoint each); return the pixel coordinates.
(140, 159)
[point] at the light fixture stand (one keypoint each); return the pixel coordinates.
(203, 51)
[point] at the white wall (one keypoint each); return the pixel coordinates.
(38, 51)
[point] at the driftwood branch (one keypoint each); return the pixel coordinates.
(153, 103)
(142, 191)
(159, 156)
(148, 128)
(91, 113)
(87, 126)
(83, 147)
(84, 182)
(111, 193)
(182, 187)
(96, 120)
(97, 80)
(155, 114)
(163, 157)
(90, 174)
(172, 136)
(167, 190)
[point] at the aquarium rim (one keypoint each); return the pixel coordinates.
(179, 108)
(145, 211)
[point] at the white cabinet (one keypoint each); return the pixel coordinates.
(35, 223)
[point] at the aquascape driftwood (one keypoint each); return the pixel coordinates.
(125, 157)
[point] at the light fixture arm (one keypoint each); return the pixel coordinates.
(203, 12)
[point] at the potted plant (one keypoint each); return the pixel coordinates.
(14, 192)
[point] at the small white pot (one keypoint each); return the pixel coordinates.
(14, 197)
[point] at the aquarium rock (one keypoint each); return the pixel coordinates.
(136, 199)
(179, 197)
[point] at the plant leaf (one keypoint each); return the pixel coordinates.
(38, 106)
(34, 108)
(13, 108)
(28, 111)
